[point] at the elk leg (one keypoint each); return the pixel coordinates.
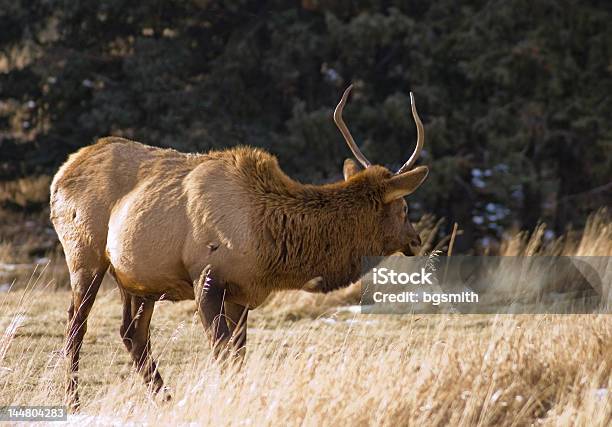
(85, 287)
(135, 334)
(126, 320)
(236, 318)
(209, 296)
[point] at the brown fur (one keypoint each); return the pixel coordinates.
(159, 218)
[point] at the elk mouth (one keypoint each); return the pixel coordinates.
(408, 251)
(413, 248)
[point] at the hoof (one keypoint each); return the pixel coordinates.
(164, 394)
(74, 405)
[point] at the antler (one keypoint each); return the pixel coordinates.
(345, 132)
(355, 149)
(420, 139)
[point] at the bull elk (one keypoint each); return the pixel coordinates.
(226, 228)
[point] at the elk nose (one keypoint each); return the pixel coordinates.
(415, 242)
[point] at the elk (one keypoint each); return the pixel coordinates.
(226, 228)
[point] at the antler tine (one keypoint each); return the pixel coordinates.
(420, 139)
(345, 132)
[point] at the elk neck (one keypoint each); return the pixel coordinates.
(305, 231)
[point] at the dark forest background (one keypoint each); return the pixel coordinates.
(516, 96)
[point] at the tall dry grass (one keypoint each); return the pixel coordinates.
(341, 370)
(313, 361)
(594, 240)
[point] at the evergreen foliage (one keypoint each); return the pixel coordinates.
(516, 96)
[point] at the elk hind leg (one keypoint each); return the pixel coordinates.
(85, 284)
(137, 313)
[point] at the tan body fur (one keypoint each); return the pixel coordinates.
(225, 228)
(157, 215)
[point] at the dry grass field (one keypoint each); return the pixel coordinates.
(315, 360)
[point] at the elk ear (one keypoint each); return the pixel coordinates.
(405, 183)
(349, 169)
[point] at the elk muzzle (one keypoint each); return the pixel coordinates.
(413, 241)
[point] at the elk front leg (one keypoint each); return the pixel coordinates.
(209, 295)
(236, 318)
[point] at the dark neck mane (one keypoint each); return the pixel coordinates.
(306, 231)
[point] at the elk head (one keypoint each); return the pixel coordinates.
(399, 234)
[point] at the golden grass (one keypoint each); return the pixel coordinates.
(312, 360)
(26, 191)
(340, 368)
(595, 240)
